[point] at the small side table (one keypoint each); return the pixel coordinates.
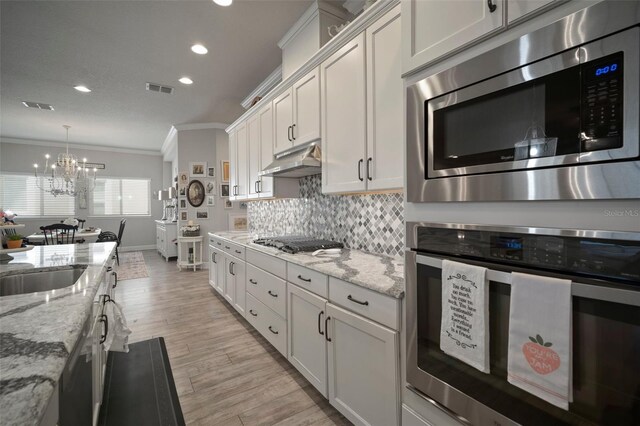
(186, 261)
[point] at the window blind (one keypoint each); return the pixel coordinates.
(118, 197)
(20, 194)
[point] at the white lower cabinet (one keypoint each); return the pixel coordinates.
(216, 270)
(307, 344)
(363, 368)
(235, 286)
(166, 234)
(271, 325)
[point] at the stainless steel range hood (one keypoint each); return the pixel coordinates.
(304, 161)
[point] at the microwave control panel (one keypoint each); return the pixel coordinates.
(602, 81)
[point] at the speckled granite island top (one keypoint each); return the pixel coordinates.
(39, 330)
(376, 272)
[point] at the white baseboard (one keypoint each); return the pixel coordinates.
(124, 249)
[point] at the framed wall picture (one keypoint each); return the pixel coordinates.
(183, 178)
(202, 214)
(237, 222)
(198, 169)
(183, 203)
(195, 193)
(226, 171)
(211, 172)
(211, 200)
(183, 215)
(228, 204)
(210, 187)
(224, 190)
(182, 191)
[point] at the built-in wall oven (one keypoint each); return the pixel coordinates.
(552, 115)
(604, 269)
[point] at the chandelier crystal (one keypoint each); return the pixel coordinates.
(67, 175)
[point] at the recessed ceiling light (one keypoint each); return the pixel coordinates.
(199, 49)
(223, 2)
(185, 80)
(83, 89)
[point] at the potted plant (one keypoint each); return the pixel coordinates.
(14, 241)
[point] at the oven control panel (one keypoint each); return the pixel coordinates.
(575, 255)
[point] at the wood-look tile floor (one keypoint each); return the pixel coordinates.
(226, 373)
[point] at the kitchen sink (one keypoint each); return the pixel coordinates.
(31, 282)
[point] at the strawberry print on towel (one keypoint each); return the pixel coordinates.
(540, 356)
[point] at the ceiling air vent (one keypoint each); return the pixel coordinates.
(155, 87)
(37, 105)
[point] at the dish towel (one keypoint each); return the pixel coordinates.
(540, 338)
(464, 328)
(117, 339)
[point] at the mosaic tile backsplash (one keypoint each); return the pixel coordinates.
(371, 222)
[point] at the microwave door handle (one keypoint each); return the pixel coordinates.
(587, 291)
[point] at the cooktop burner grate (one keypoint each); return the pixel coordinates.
(298, 244)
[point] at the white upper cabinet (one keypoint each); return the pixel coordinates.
(362, 111)
(266, 148)
(239, 191)
(306, 109)
(253, 155)
(283, 120)
(297, 113)
(518, 8)
(233, 163)
(434, 28)
(343, 100)
(385, 143)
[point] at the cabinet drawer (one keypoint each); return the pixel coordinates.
(267, 288)
(217, 242)
(308, 279)
(233, 249)
(268, 323)
(370, 304)
(277, 267)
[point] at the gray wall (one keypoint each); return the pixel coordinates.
(212, 146)
(139, 231)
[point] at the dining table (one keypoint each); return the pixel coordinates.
(81, 234)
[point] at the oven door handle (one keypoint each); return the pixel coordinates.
(588, 291)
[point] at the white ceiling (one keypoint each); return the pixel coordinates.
(115, 47)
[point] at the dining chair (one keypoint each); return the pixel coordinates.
(110, 236)
(59, 233)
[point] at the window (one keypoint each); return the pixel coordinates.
(20, 194)
(121, 197)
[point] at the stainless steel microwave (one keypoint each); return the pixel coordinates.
(552, 115)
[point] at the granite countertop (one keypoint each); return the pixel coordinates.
(376, 272)
(38, 331)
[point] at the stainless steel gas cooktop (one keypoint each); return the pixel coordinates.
(298, 243)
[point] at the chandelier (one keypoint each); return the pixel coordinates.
(66, 176)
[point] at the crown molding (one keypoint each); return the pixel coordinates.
(308, 15)
(263, 88)
(200, 126)
(170, 141)
(35, 142)
(359, 24)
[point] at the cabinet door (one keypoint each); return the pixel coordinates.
(385, 147)
(343, 118)
(253, 155)
(306, 108)
(233, 163)
(519, 8)
(221, 274)
(282, 122)
(239, 272)
(242, 163)
(230, 280)
(363, 369)
(432, 29)
(307, 345)
(266, 149)
(212, 267)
